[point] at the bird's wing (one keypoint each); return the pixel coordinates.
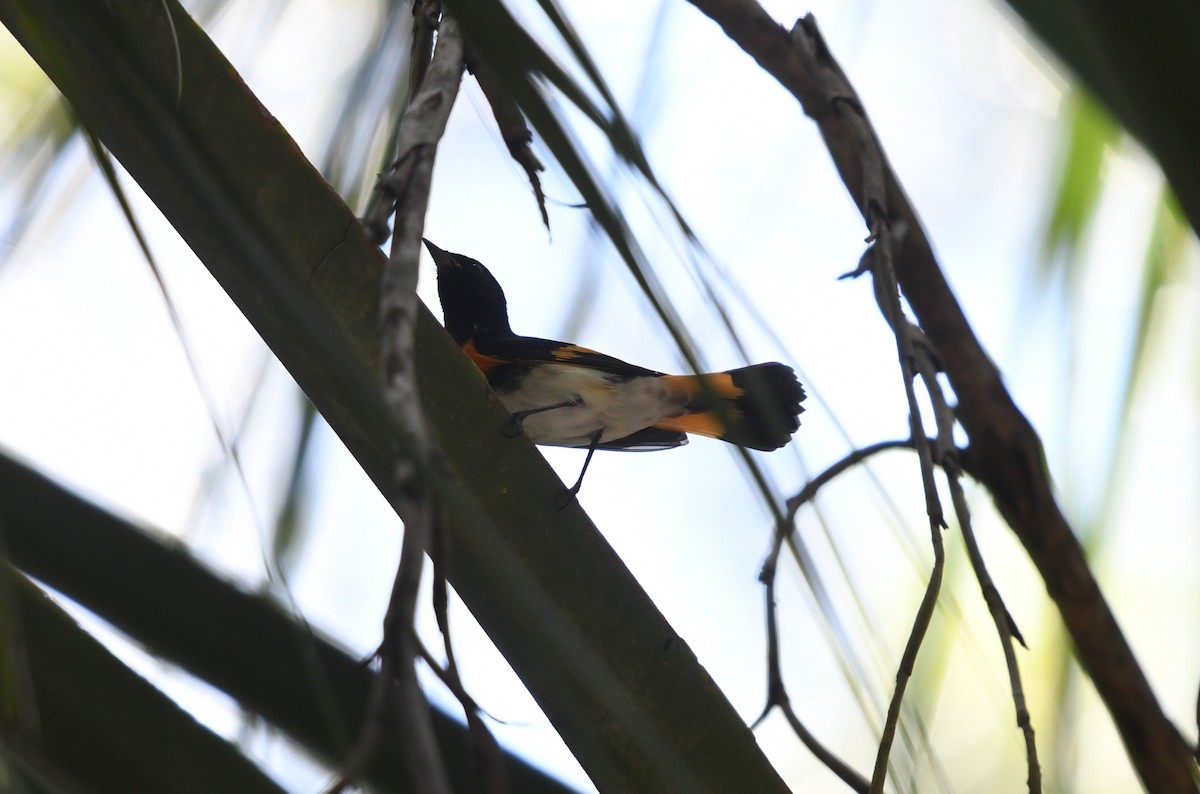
(495, 351)
(647, 440)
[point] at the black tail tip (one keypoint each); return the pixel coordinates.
(768, 410)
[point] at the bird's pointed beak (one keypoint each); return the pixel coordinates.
(440, 258)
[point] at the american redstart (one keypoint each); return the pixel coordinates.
(569, 396)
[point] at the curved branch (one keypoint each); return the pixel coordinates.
(542, 582)
(809, 491)
(777, 696)
(407, 190)
(1005, 453)
(1006, 627)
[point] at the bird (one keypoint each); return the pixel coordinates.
(561, 394)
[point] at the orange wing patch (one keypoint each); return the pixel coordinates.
(483, 362)
(571, 352)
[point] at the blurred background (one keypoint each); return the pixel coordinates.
(159, 401)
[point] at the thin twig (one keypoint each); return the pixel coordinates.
(826, 94)
(947, 455)
(408, 186)
(777, 697)
(776, 690)
(1005, 453)
(888, 295)
(1000, 616)
(908, 661)
(843, 102)
(425, 21)
(422, 127)
(418, 741)
(839, 767)
(809, 492)
(394, 184)
(487, 750)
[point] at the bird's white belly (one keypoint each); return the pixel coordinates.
(617, 408)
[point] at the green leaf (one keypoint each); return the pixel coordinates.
(621, 687)
(95, 725)
(241, 643)
(1091, 132)
(1144, 66)
(288, 524)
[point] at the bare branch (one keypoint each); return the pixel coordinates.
(879, 261)
(1005, 454)
(420, 130)
(842, 100)
(809, 491)
(776, 690)
(425, 22)
(393, 185)
(777, 696)
(487, 750)
(839, 767)
(908, 661)
(408, 187)
(1006, 628)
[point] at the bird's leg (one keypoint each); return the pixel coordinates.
(519, 417)
(574, 489)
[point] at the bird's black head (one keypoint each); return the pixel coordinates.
(472, 301)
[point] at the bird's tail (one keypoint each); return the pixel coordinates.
(756, 406)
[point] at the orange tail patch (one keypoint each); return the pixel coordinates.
(758, 406)
(704, 423)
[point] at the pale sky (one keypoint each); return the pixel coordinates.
(95, 386)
